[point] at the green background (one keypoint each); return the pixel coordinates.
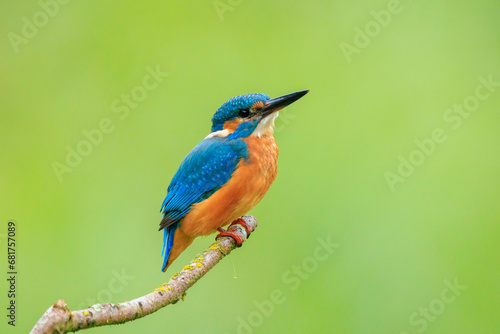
(399, 246)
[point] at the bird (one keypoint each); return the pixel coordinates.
(225, 175)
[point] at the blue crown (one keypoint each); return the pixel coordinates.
(229, 110)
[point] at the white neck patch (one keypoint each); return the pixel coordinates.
(266, 125)
(220, 133)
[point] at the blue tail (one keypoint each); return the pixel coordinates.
(168, 243)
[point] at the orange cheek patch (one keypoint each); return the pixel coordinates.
(233, 124)
(258, 105)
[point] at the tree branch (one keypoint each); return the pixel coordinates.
(59, 319)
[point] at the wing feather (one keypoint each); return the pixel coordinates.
(204, 170)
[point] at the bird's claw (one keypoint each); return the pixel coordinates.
(232, 229)
(242, 222)
(230, 232)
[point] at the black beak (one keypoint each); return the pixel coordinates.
(281, 102)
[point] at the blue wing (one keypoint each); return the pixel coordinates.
(204, 170)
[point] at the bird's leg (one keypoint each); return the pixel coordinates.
(230, 232)
(242, 222)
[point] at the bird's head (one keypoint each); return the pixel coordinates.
(250, 114)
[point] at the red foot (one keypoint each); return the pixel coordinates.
(242, 222)
(230, 232)
(232, 229)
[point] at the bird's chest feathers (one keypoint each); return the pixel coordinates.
(258, 171)
(262, 154)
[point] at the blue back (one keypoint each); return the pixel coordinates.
(204, 170)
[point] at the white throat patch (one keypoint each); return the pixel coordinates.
(266, 125)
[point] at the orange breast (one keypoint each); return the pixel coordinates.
(248, 184)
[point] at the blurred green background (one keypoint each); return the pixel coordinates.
(382, 76)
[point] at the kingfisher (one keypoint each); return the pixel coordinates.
(225, 175)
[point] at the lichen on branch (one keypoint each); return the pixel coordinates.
(59, 319)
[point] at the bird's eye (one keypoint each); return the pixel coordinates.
(243, 113)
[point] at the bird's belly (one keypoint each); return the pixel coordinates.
(248, 184)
